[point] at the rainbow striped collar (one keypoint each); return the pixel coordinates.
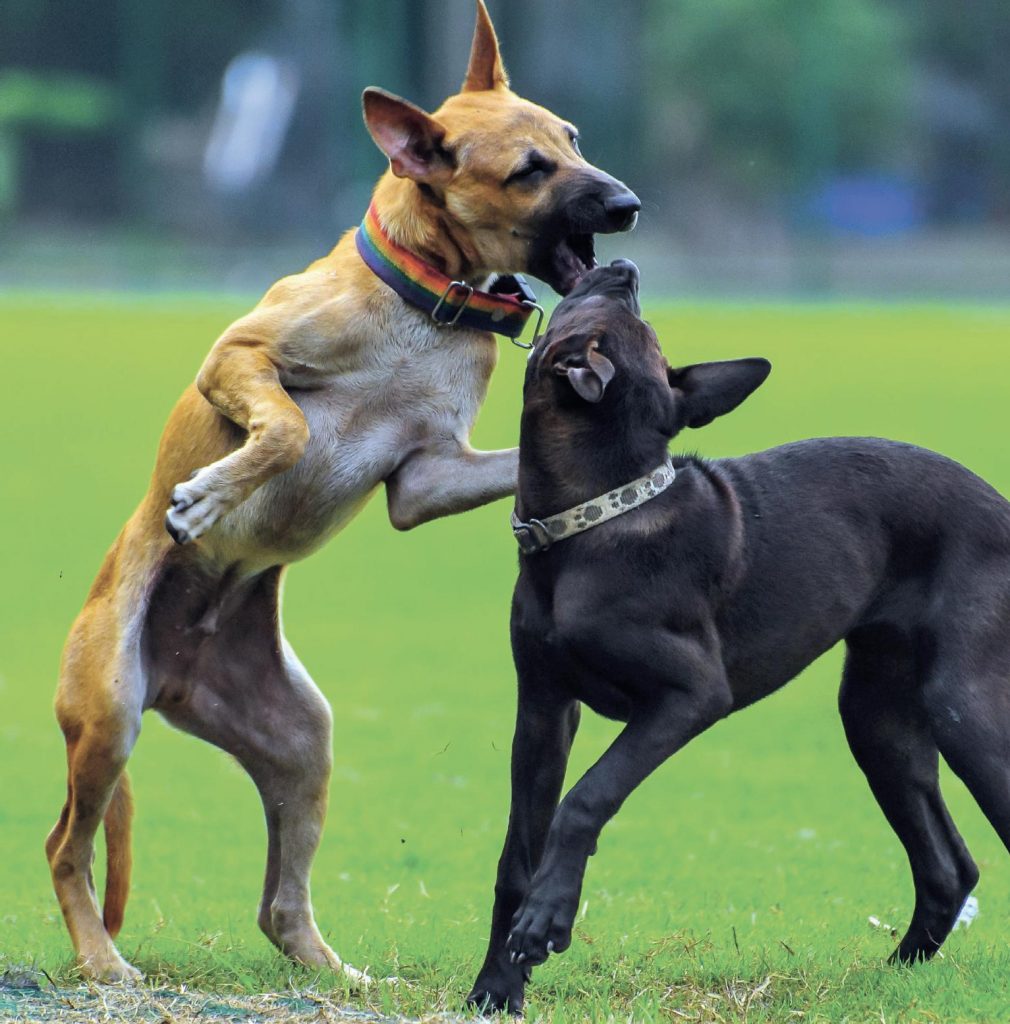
(449, 303)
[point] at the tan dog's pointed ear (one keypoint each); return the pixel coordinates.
(410, 138)
(486, 70)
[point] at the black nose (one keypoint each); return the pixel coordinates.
(622, 210)
(627, 273)
(618, 281)
(624, 264)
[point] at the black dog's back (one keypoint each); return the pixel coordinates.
(856, 537)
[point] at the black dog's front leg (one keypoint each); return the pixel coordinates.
(543, 923)
(543, 738)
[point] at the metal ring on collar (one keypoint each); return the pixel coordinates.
(444, 301)
(536, 330)
(532, 537)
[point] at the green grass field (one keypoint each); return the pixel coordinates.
(735, 885)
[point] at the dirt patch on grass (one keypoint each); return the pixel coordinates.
(30, 997)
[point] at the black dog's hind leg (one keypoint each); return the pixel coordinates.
(545, 728)
(889, 734)
(968, 703)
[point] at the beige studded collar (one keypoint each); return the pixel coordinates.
(539, 534)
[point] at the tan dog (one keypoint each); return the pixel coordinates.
(332, 386)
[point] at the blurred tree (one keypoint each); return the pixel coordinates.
(742, 107)
(58, 104)
(72, 63)
(772, 95)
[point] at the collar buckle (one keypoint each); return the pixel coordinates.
(504, 309)
(444, 301)
(532, 537)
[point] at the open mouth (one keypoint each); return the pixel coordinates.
(571, 258)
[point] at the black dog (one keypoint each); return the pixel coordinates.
(718, 589)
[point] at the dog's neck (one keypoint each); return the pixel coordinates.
(415, 218)
(564, 460)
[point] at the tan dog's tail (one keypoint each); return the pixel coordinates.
(119, 858)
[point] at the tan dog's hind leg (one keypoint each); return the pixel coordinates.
(98, 705)
(250, 696)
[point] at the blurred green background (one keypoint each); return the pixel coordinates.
(830, 147)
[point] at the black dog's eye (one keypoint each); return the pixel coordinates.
(533, 171)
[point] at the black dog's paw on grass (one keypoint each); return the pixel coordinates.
(910, 953)
(541, 927)
(490, 998)
(499, 989)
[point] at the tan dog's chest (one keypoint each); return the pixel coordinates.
(369, 397)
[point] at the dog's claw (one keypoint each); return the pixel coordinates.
(180, 536)
(179, 500)
(541, 929)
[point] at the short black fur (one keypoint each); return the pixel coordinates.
(718, 592)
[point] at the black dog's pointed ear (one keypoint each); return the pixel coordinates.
(410, 138)
(713, 389)
(579, 358)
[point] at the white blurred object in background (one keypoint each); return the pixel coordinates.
(258, 93)
(968, 913)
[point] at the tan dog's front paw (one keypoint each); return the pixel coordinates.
(196, 506)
